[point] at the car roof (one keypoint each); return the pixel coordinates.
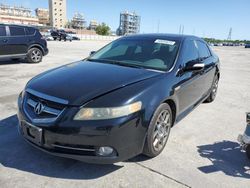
(19, 25)
(153, 36)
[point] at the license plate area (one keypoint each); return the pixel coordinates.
(32, 133)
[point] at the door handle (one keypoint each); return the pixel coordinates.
(5, 40)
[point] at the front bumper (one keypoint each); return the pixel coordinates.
(80, 140)
(46, 51)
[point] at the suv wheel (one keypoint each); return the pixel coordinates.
(35, 55)
(214, 89)
(158, 131)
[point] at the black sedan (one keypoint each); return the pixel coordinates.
(121, 101)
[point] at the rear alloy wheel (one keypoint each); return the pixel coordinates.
(158, 131)
(214, 90)
(35, 55)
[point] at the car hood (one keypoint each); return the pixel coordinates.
(83, 81)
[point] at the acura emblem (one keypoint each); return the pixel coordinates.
(39, 108)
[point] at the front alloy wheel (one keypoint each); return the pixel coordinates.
(158, 131)
(35, 55)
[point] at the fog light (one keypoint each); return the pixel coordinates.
(104, 151)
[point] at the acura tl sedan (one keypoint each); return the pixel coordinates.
(121, 101)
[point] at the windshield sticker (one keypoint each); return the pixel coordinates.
(168, 42)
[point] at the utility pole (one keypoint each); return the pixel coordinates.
(230, 34)
(181, 29)
(158, 26)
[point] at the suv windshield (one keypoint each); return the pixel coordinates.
(157, 54)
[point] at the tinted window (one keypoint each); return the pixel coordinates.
(156, 54)
(2, 31)
(190, 51)
(16, 31)
(203, 49)
(30, 31)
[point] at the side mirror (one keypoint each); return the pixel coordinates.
(194, 66)
(92, 52)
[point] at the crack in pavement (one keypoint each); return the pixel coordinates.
(159, 173)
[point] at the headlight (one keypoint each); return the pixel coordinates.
(107, 113)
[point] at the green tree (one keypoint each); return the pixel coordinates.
(103, 29)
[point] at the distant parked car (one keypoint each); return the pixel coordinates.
(69, 38)
(61, 35)
(75, 38)
(48, 37)
(18, 42)
(247, 46)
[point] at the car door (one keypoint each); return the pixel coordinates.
(209, 68)
(189, 89)
(17, 40)
(3, 41)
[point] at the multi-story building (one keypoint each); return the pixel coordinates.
(43, 16)
(129, 23)
(78, 21)
(58, 14)
(93, 24)
(17, 15)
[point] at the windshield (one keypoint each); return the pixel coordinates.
(157, 54)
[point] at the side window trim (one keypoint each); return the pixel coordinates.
(7, 31)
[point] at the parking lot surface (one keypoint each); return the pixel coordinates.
(202, 150)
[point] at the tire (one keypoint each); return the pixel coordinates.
(158, 131)
(248, 151)
(35, 55)
(214, 90)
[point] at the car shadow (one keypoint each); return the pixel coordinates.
(227, 157)
(16, 153)
(9, 61)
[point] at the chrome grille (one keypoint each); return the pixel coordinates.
(46, 109)
(51, 109)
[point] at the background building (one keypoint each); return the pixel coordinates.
(43, 16)
(129, 23)
(78, 21)
(17, 15)
(93, 24)
(58, 15)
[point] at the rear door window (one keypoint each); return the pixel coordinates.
(2, 31)
(16, 31)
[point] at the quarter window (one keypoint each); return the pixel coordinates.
(16, 31)
(203, 50)
(2, 31)
(30, 31)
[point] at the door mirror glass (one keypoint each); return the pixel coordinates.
(194, 66)
(92, 52)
